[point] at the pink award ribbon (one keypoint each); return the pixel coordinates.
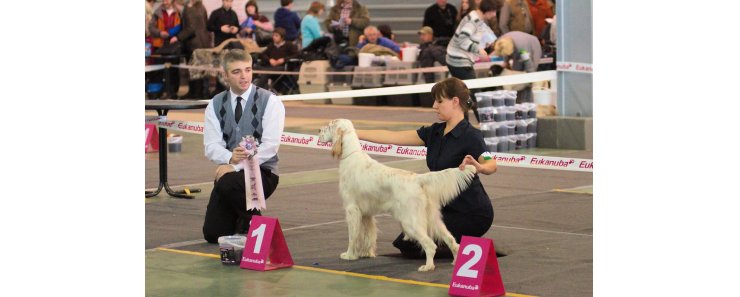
(252, 177)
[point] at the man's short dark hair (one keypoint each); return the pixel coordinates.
(285, 2)
(489, 5)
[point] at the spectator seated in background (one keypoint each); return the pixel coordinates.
(385, 31)
(310, 28)
(275, 57)
(430, 51)
(372, 36)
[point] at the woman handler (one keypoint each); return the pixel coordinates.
(451, 143)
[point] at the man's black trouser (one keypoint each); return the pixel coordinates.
(227, 213)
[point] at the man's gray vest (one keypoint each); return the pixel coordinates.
(233, 132)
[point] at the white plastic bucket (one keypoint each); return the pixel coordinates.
(409, 54)
(544, 97)
(365, 59)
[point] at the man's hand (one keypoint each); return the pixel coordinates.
(225, 29)
(273, 62)
(164, 34)
(238, 155)
(173, 39)
(223, 169)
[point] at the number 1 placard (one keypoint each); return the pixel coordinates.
(476, 269)
(265, 248)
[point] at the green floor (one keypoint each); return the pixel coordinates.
(171, 273)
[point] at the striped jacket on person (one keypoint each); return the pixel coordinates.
(462, 51)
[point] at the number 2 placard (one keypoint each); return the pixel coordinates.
(266, 248)
(476, 269)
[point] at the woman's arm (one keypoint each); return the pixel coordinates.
(390, 137)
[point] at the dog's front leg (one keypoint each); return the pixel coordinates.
(367, 237)
(353, 217)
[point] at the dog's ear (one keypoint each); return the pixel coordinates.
(336, 148)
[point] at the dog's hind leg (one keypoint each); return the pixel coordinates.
(440, 231)
(367, 238)
(353, 217)
(419, 233)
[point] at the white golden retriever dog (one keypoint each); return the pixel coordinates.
(369, 188)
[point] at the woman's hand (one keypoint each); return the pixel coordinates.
(469, 160)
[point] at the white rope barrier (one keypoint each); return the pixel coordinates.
(476, 83)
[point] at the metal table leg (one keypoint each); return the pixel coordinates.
(163, 147)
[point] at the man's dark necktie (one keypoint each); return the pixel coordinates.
(238, 111)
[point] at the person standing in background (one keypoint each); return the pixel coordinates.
(540, 10)
(441, 18)
(466, 46)
(287, 19)
(521, 52)
(194, 35)
(223, 23)
(166, 22)
(515, 16)
(492, 23)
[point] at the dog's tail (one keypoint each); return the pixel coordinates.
(443, 186)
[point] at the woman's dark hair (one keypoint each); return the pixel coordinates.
(252, 3)
(453, 87)
(385, 30)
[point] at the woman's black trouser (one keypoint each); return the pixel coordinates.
(458, 224)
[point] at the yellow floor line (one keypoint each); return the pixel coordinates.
(570, 191)
(368, 276)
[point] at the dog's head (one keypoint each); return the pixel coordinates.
(334, 132)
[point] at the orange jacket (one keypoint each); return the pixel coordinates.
(540, 11)
(158, 25)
